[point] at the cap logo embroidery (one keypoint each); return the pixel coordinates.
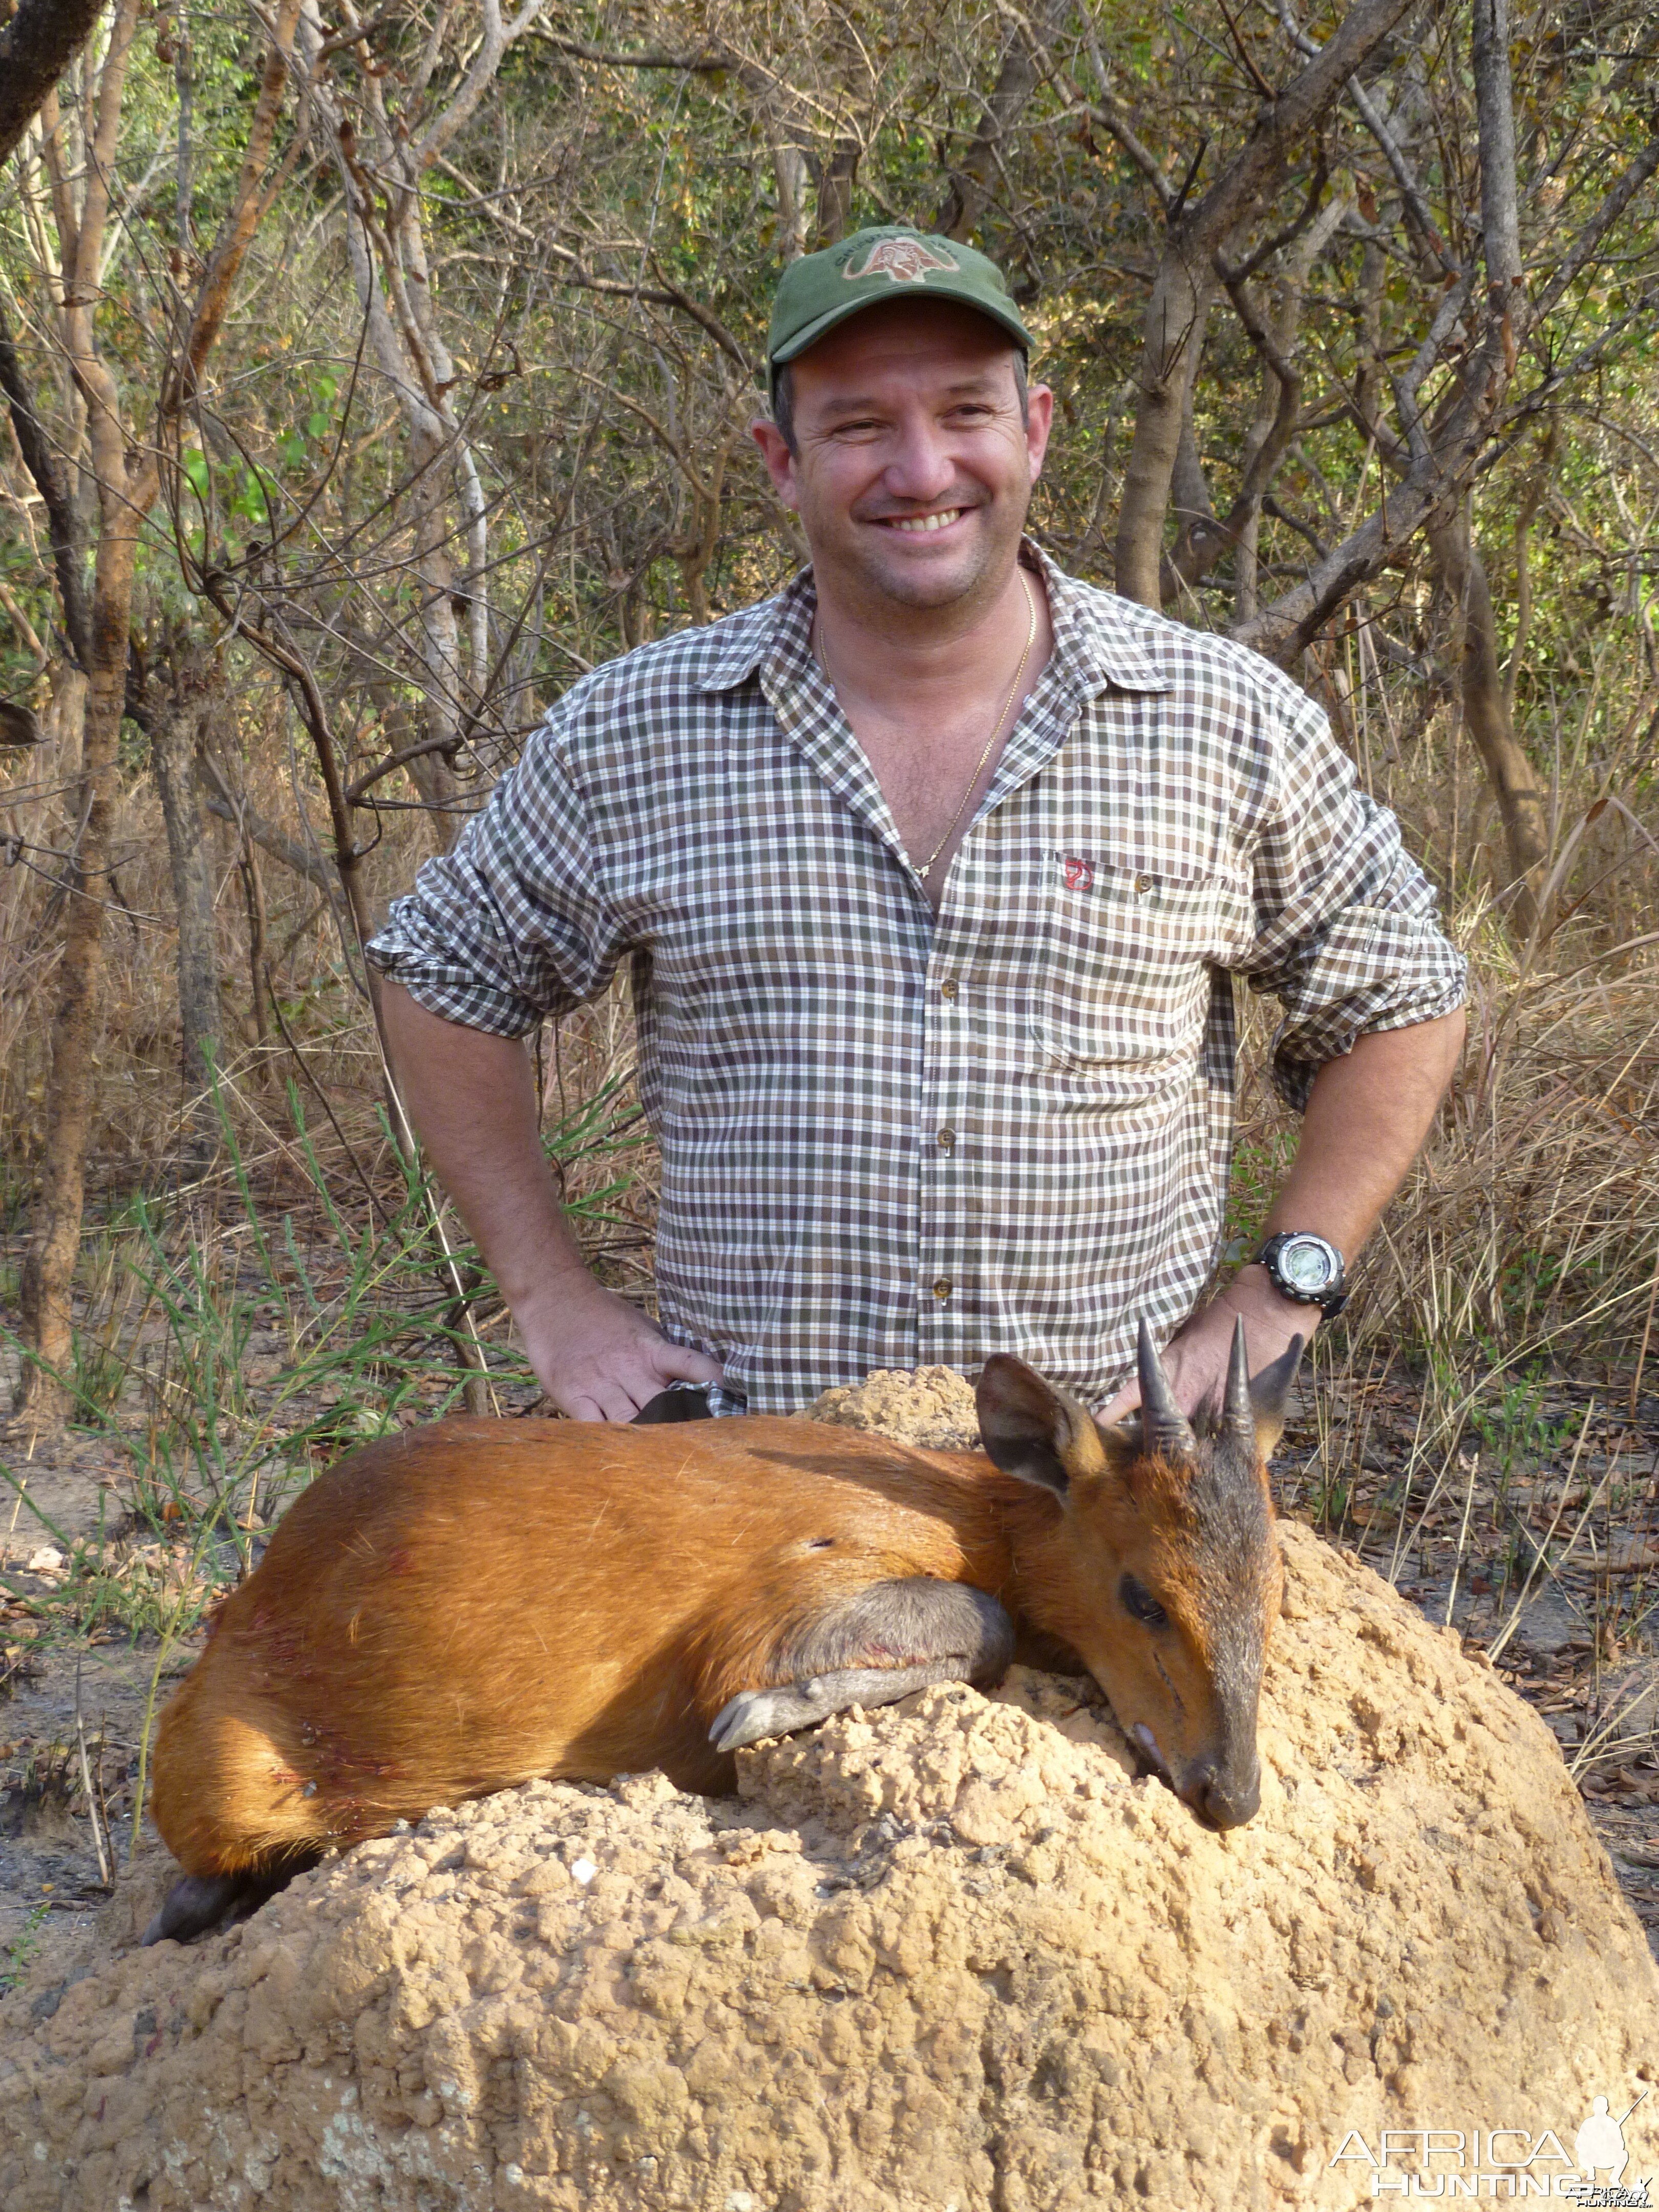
(905, 260)
(1080, 876)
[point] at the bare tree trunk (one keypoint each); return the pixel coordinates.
(127, 474)
(386, 248)
(36, 47)
(1017, 80)
(1522, 800)
(259, 973)
(43, 1400)
(43, 1397)
(66, 718)
(789, 174)
(1532, 498)
(1439, 454)
(36, 449)
(1186, 275)
(439, 632)
(1202, 536)
(835, 208)
(174, 740)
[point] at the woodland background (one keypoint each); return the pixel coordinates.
(368, 377)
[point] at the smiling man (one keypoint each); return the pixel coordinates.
(934, 872)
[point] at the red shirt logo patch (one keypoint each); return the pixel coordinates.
(1080, 876)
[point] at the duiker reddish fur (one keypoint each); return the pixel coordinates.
(462, 1607)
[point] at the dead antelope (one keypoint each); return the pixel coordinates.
(463, 1607)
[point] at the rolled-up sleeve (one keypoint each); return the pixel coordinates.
(1347, 935)
(514, 923)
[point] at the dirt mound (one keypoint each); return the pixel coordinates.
(931, 1407)
(950, 1954)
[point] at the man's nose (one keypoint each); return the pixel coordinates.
(922, 468)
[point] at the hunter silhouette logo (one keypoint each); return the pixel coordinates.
(1598, 2148)
(1509, 2161)
(906, 260)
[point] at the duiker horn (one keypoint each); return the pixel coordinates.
(1163, 1426)
(1238, 1414)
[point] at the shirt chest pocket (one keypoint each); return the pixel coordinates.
(1123, 968)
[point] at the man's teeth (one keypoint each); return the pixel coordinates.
(926, 521)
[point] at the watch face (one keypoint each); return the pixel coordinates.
(1309, 1263)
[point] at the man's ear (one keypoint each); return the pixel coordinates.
(1270, 1397)
(1032, 1430)
(780, 461)
(1039, 420)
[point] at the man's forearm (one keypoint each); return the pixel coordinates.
(472, 1102)
(1366, 1119)
(1364, 1125)
(472, 1098)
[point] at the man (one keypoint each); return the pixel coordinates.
(931, 872)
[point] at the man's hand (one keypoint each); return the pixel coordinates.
(599, 1359)
(1195, 1360)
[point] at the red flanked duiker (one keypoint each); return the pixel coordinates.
(458, 1610)
(1166, 1577)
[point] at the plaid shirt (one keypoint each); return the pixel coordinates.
(889, 1141)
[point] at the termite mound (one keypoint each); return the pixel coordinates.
(949, 1951)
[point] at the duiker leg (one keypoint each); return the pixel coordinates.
(870, 1649)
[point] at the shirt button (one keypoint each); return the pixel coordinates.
(946, 1139)
(947, 990)
(942, 1288)
(1143, 882)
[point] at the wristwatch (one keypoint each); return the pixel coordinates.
(1305, 1267)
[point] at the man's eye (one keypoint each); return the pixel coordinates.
(1140, 1605)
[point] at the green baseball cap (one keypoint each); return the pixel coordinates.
(822, 290)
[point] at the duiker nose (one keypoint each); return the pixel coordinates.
(1224, 1801)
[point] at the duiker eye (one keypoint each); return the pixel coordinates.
(1140, 1605)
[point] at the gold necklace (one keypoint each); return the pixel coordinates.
(996, 726)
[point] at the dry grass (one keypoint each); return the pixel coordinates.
(1482, 1425)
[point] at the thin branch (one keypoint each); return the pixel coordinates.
(42, 464)
(250, 202)
(1114, 119)
(709, 63)
(1613, 203)
(663, 294)
(224, 801)
(1371, 117)
(400, 758)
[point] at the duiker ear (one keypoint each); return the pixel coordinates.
(1034, 1430)
(1270, 1393)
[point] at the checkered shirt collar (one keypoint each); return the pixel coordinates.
(1095, 643)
